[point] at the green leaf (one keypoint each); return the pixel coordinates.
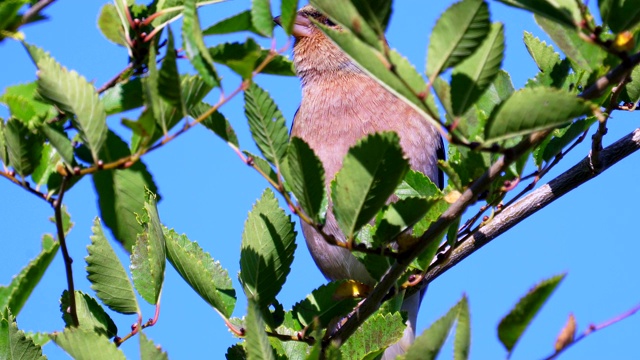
(121, 192)
(305, 176)
(288, 13)
(267, 250)
(91, 315)
(399, 216)
(83, 344)
(110, 25)
(267, 125)
(150, 351)
(236, 23)
(462, 340)
(107, 275)
(563, 137)
(347, 15)
(583, 55)
(217, 123)
(534, 109)
(429, 343)
(14, 345)
(239, 57)
(194, 46)
(513, 325)
(4, 156)
(376, 12)
(544, 55)
(24, 148)
(59, 140)
(262, 165)
(256, 341)
(15, 295)
(261, 17)
(562, 12)
(9, 15)
(631, 91)
(619, 15)
(74, 94)
(23, 104)
(370, 172)
(323, 306)
(457, 34)
(168, 77)
(206, 276)
(377, 333)
(148, 258)
(46, 166)
(417, 184)
(472, 77)
(124, 96)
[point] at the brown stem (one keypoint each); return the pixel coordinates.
(57, 207)
(25, 185)
(111, 83)
(35, 10)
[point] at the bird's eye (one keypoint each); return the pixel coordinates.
(328, 22)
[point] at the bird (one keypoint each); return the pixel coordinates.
(341, 104)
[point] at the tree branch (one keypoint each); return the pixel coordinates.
(35, 10)
(537, 200)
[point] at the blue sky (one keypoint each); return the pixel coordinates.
(207, 192)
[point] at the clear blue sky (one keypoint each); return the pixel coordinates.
(207, 192)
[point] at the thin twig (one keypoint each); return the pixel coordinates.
(57, 207)
(25, 185)
(593, 328)
(111, 83)
(35, 10)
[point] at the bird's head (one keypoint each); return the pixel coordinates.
(314, 54)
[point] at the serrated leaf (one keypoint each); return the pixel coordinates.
(194, 46)
(121, 192)
(457, 34)
(472, 77)
(27, 95)
(261, 17)
(23, 147)
(347, 15)
(91, 316)
(305, 176)
(110, 25)
(267, 124)
(534, 109)
(370, 173)
(15, 294)
(124, 96)
(239, 57)
(74, 94)
(148, 257)
(373, 336)
(256, 341)
(267, 250)
(236, 23)
(544, 55)
(168, 77)
(83, 344)
(462, 340)
(201, 272)
(429, 343)
(217, 123)
(583, 55)
(14, 344)
(619, 15)
(149, 351)
(323, 305)
(59, 140)
(107, 275)
(398, 217)
(563, 12)
(513, 325)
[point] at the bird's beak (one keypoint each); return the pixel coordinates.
(302, 26)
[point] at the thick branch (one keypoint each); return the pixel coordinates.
(538, 199)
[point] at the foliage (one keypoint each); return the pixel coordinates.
(57, 134)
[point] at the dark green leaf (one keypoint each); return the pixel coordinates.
(323, 305)
(124, 96)
(239, 57)
(59, 140)
(288, 12)
(121, 192)
(256, 340)
(562, 12)
(534, 109)
(516, 322)
(619, 15)
(267, 250)
(91, 315)
(217, 123)
(169, 77)
(370, 173)
(399, 216)
(305, 176)
(148, 257)
(194, 46)
(107, 275)
(236, 23)
(201, 272)
(15, 294)
(4, 156)
(46, 166)
(462, 340)
(347, 15)
(631, 92)
(457, 34)
(373, 336)
(563, 137)
(472, 77)
(267, 125)
(9, 14)
(23, 147)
